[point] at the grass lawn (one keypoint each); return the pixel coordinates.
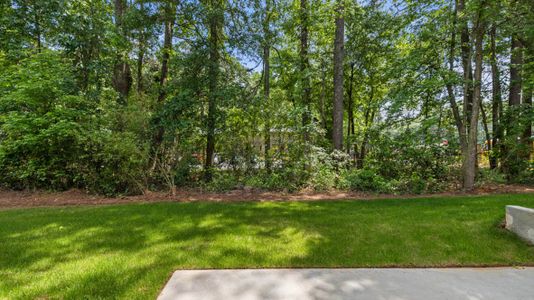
(129, 251)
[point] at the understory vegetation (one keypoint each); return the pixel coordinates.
(129, 251)
(121, 97)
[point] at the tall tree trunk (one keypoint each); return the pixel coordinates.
(141, 51)
(169, 18)
(468, 167)
(216, 22)
(305, 68)
(167, 48)
(496, 110)
(37, 30)
(322, 100)
(527, 97)
(458, 119)
(369, 116)
(122, 76)
(471, 157)
(485, 125)
(465, 48)
(266, 82)
(337, 132)
(516, 60)
(527, 101)
(350, 109)
(513, 133)
(140, 62)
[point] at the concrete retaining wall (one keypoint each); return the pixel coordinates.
(521, 221)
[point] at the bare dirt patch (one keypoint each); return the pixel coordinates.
(14, 199)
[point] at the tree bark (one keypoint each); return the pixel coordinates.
(496, 110)
(471, 157)
(216, 22)
(527, 99)
(513, 133)
(141, 52)
(516, 60)
(305, 68)
(266, 83)
(465, 48)
(140, 62)
(167, 48)
(322, 108)
(369, 116)
(350, 109)
(485, 125)
(122, 76)
(458, 119)
(37, 29)
(337, 132)
(169, 17)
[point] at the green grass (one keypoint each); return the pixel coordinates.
(129, 251)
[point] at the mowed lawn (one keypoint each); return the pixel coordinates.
(129, 251)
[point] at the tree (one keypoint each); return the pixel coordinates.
(497, 109)
(122, 77)
(239, 83)
(337, 134)
(266, 80)
(169, 12)
(305, 67)
(215, 35)
(516, 60)
(169, 15)
(471, 155)
(350, 109)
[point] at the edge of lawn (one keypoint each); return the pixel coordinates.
(373, 197)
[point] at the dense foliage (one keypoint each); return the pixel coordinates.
(125, 96)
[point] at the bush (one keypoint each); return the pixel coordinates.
(323, 179)
(51, 137)
(43, 124)
(221, 182)
(413, 162)
(365, 180)
(112, 163)
(488, 176)
(526, 176)
(412, 184)
(322, 168)
(277, 180)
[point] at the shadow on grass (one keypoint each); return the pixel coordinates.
(129, 251)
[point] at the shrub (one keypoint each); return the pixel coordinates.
(488, 176)
(412, 184)
(365, 180)
(277, 180)
(221, 182)
(396, 156)
(52, 137)
(43, 124)
(323, 179)
(112, 163)
(526, 176)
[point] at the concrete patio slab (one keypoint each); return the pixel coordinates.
(521, 221)
(394, 284)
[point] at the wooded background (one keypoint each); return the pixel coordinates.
(388, 96)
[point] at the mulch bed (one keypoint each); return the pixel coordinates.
(20, 199)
